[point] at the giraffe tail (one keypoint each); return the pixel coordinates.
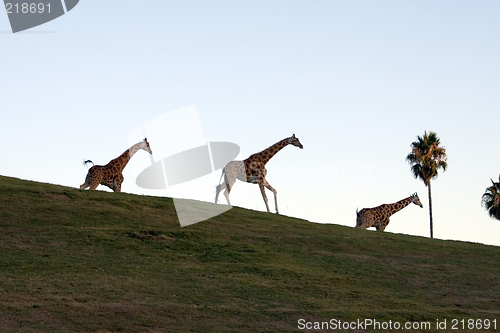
(223, 172)
(218, 187)
(87, 161)
(358, 219)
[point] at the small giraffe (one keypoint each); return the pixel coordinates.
(378, 217)
(110, 174)
(252, 170)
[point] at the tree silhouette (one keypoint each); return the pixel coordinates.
(491, 199)
(426, 158)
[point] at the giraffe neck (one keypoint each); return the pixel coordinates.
(122, 160)
(265, 155)
(397, 206)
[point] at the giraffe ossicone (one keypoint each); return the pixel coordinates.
(378, 217)
(110, 175)
(252, 170)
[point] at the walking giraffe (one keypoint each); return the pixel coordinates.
(252, 170)
(378, 217)
(110, 174)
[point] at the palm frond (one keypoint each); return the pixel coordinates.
(427, 157)
(491, 199)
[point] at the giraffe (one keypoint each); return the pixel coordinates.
(252, 170)
(378, 217)
(110, 174)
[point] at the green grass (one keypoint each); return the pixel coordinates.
(94, 261)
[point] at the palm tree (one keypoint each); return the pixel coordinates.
(426, 158)
(491, 199)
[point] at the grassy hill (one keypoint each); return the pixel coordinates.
(94, 261)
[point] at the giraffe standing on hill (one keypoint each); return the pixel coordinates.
(252, 170)
(110, 174)
(378, 217)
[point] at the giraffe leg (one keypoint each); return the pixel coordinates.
(366, 221)
(113, 185)
(117, 187)
(383, 224)
(87, 182)
(218, 189)
(226, 194)
(229, 180)
(373, 220)
(84, 185)
(366, 225)
(94, 185)
(117, 183)
(94, 177)
(94, 182)
(263, 191)
(266, 184)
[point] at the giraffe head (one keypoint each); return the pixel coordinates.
(293, 140)
(145, 145)
(416, 200)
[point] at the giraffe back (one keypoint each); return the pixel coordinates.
(370, 217)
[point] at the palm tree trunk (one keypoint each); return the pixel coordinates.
(430, 206)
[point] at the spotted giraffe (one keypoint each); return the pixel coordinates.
(378, 217)
(252, 170)
(110, 174)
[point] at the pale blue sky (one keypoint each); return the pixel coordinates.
(356, 81)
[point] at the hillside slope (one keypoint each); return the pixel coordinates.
(94, 261)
